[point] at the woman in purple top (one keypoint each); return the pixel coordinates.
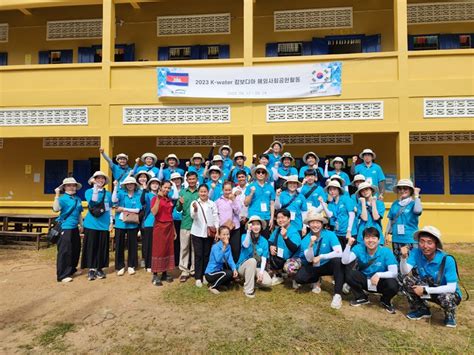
(229, 212)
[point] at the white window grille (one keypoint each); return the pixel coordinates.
(440, 12)
(318, 139)
(3, 32)
(71, 142)
(193, 25)
(73, 29)
(67, 116)
(176, 114)
(313, 19)
(337, 111)
(441, 137)
(448, 107)
(192, 141)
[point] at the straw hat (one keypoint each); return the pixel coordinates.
(287, 155)
(149, 176)
(358, 177)
(225, 146)
(257, 219)
(121, 155)
(216, 158)
(70, 180)
(151, 180)
(151, 155)
(214, 168)
(314, 216)
(259, 167)
(98, 173)
(404, 182)
(334, 183)
(240, 155)
(176, 176)
(336, 177)
(434, 232)
(197, 156)
(171, 156)
(129, 180)
(366, 185)
(367, 151)
(338, 159)
(292, 178)
(277, 142)
(305, 157)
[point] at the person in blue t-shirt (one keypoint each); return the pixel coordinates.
(433, 278)
(97, 226)
(128, 206)
(225, 152)
(311, 190)
(403, 216)
(274, 153)
(320, 252)
(195, 165)
(370, 211)
(284, 243)
(283, 170)
(311, 160)
(293, 201)
(239, 160)
(149, 160)
(172, 163)
(120, 170)
(214, 183)
(337, 164)
(373, 172)
(358, 179)
(69, 207)
(376, 270)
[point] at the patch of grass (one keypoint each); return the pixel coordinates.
(53, 334)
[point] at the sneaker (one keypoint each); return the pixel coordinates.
(419, 314)
(142, 264)
(316, 288)
(336, 301)
(214, 291)
(359, 302)
(148, 270)
(77, 273)
(198, 283)
(250, 295)
(296, 285)
(388, 307)
(277, 280)
(156, 281)
(131, 271)
(167, 278)
(121, 272)
(450, 321)
(67, 279)
(91, 276)
(183, 278)
(100, 274)
(204, 282)
(346, 289)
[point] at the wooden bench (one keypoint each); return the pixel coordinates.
(16, 238)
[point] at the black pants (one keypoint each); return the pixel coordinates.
(132, 246)
(310, 274)
(95, 249)
(147, 240)
(69, 250)
(343, 241)
(177, 242)
(266, 232)
(202, 249)
(358, 283)
(235, 243)
(218, 278)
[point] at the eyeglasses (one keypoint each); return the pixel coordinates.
(260, 172)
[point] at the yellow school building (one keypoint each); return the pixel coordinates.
(76, 75)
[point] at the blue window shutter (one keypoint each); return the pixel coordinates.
(86, 55)
(320, 46)
(163, 53)
(203, 52)
(4, 58)
(307, 48)
(410, 43)
(461, 175)
(271, 50)
(43, 57)
(224, 51)
(195, 52)
(81, 171)
(54, 173)
(448, 41)
(129, 53)
(429, 174)
(66, 56)
(371, 43)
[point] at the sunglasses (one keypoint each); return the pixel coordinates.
(260, 172)
(403, 188)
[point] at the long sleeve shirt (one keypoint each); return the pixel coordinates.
(199, 227)
(228, 210)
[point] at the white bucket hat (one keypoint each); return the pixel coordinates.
(216, 158)
(121, 155)
(171, 156)
(336, 177)
(197, 156)
(366, 185)
(259, 167)
(334, 183)
(240, 155)
(404, 182)
(129, 180)
(257, 219)
(151, 155)
(305, 157)
(70, 180)
(176, 176)
(358, 177)
(314, 216)
(98, 173)
(143, 172)
(287, 155)
(338, 159)
(214, 168)
(225, 146)
(433, 231)
(277, 142)
(292, 178)
(151, 180)
(367, 151)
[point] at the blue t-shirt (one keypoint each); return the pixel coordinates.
(383, 258)
(219, 257)
(326, 243)
(272, 159)
(292, 234)
(120, 173)
(306, 167)
(431, 268)
(297, 206)
(227, 164)
(234, 172)
(261, 248)
(285, 172)
(199, 172)
(153, 170)
(101, 223)
(312, 199)
(217, 193)
(361, 225)
(168, 171)
(373, 174)
(124, 200)
(340, 210)
(260, 203)
(67, 203)
(342, 174)
(149, 219)
(406, 224)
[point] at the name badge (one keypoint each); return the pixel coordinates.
(370, 286)
(400, 229)
(263, 207)
(107, 206)
(369, 180)
(309, 205)
(151, 173)
(280, 252)
(292, 216)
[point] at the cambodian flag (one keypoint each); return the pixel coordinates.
(178, 79)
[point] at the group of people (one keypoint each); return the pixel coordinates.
(221, 221)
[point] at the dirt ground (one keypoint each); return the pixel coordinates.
(129, 315)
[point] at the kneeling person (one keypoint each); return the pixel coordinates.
(376, 270)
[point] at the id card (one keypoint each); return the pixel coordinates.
(280, 252)
(107, 206)
(400, 229)
(263, 207)
(370, 286)
(336, 226)
(309, 205)
(368, 180)
(292, 215)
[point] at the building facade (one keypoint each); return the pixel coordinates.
(79, 75)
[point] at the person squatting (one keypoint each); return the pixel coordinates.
(222, 222)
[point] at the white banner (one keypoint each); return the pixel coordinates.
(269, 82)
